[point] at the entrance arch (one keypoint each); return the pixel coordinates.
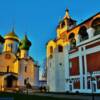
(10, 81)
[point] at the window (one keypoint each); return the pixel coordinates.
(72, 40)
(96, 26)
(10, 46)
(83, 33)
(51, 49)
(25, 68)
(25, 81)
(60, 64)
(60, 48)
(71, 36)
(62, 24)
(7, 69)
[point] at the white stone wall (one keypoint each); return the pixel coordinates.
(56, 72)
(51, 74)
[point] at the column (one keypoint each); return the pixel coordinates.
(81, 69)
(85, 66)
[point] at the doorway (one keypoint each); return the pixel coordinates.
(10, 81)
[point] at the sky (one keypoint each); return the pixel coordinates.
(39, 18)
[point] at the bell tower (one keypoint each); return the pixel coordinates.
(65, 24)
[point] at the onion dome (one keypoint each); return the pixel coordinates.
(2, 40)
(11, 35)
(24, 43)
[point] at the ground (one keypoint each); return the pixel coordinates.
(47, 96)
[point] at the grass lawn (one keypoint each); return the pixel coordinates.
(27, 97)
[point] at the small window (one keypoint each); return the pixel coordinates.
(9, 45)
(62, 24)
(51, 49)
(7, 69)
(25, 81)
(25, 68)
(60, 48)
(60, 64)
(72, 40)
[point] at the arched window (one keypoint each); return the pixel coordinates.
(71, 36)
(7, 69)
(25, 68)
(60, 48)
(51, 49)
(72, 40)
(96, 26)
(62, 24)
(83, 33)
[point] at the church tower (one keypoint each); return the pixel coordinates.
(24, 46)
(11, 42)
(65, 24)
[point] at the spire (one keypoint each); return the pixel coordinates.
(13, 29)
(67, 14)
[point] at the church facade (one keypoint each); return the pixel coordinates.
(73, 58)
(18, 70)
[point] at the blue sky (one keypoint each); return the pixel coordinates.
(39, 18)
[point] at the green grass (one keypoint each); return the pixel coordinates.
(28, 97)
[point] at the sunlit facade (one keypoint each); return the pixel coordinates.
(73, 58)
(17, 69)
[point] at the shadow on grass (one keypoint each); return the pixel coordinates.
(17, 96)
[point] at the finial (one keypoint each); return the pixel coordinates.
(67, 10)
(13, 29)
(13, 25)
(67, 13)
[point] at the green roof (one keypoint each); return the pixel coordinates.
(24, 43)
(1, 39)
